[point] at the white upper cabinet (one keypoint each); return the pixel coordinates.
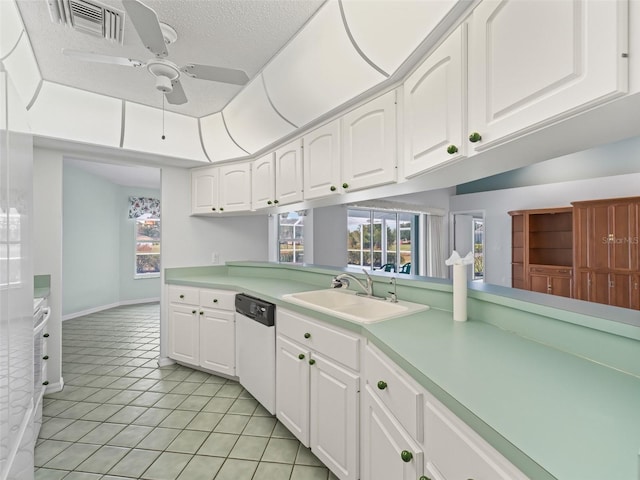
(204, 190)
(404, 27)
(369, 144)
(433, 107)
(216, 140)
(251, 119)
(221, 189)
(289, 173)
(235, 187)
(318, 71)
(534, 62)
(322, 161)
(10, 27)
(263, 182)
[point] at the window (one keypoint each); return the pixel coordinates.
(478, 248)
(291, 238)
(147, 233)
(382, 240)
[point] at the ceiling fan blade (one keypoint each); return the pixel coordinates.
(177, 96)
(216, 74)
(96, 57)
(146, 22)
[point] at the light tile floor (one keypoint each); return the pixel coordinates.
(121, 417)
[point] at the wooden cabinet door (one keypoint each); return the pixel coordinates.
(322, 161)
(433, 107)
(623, 236)
(561, 285)
(369, 144)
(635, 292)
(519, 79)
(235, 187)
(384, 440)
(334, 426)
(263, 186)
(620, 289)
(217, 341)
(539, 282)
(599, 287)
(292, 387)
(183, 334)
(204, 190)
(289, 173)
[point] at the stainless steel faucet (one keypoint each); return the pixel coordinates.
(343, 280)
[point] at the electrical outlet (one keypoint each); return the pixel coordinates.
(215, 258)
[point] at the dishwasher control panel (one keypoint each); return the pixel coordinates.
(256, 309)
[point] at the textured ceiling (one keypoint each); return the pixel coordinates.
(241, 34)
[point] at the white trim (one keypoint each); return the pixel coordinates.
(165, 361)
(54, 387)
(89, 311)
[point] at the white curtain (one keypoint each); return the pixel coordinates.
(435, 247)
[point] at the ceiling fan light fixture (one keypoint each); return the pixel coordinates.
(164, 84)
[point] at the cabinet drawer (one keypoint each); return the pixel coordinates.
(457, 451)
(222, 299)
(185, 295)
(547, 270)
(335, 343)
(395, 389)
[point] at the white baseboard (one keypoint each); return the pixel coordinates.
(89, 311)
(165, 361)
(55, 387)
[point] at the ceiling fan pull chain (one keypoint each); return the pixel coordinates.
(163, 116)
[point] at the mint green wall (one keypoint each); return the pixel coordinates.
(97, 262)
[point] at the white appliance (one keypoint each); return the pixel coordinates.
(256, 348)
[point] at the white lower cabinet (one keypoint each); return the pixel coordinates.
(453, 450)
(317, 397)
(388, 450)
(202, 328)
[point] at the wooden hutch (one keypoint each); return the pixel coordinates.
(590, 251)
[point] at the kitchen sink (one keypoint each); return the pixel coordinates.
(349, 306)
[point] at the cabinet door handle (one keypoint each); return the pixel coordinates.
(215, 300)
(269, 202)
(382, 384)
(201, 312)
(46, 357)
(406, 456)
(275, 202)
(46, 335)
(307, 335)
(45, 383)
(424, 477)
(213, 209)
(345, 185)
(301, 356)
(452, 149)
(181, 297)
(475, 137)
(193, 311)
(312, 361)
(332, 188)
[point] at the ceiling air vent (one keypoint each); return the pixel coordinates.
(88, 17)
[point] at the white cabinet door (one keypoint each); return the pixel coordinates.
(369, 144)
(334, 417)
(263, 186)
(433, 107)
(292, 387)
(184, 333)
(289, 173)
(384, 442)
(217, 341)
(235, 187)
(322, 161)
(204, 190)
(532, 62)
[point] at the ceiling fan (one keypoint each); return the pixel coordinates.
(156, 36)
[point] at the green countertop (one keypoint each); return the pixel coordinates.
(553, 414)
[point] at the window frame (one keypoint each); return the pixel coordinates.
(136, 254)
